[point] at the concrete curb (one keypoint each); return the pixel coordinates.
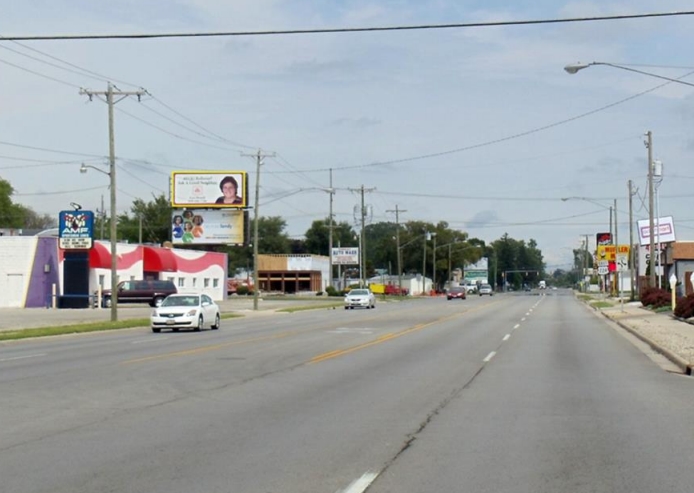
(681, 363)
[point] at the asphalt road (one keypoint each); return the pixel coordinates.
(510, 393)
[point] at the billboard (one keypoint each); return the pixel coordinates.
(207, 227)
(345, 256)
(664, 227)
(209, 189)
(76, 230)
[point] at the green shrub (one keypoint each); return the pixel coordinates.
(241, 290)
(331, 291)
(319, 293)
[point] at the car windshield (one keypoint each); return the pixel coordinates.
(181, 301)
(359, 292)
(457, 289)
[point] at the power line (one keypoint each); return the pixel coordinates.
(45, 149)
(418, 27)
(39, 74)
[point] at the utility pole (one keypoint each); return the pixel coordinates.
(424, 264)
(617, 273)
(110, 93)
(631, 239)
(397, 245)
(362, 235)
(651, 227)
(259, 156)
(139, 229)
(330, 231)
(102, 214)
(585, 262)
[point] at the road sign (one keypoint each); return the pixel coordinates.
(622, 262)
(603, 270)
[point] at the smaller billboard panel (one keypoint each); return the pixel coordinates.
(603, 239)
(209, 189)
(665, 230)
(345, 256)
(76, 230)
(207, 227)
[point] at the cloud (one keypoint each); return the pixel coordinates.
(482, 219)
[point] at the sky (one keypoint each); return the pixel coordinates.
(477, 127)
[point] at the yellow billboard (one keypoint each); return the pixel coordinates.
(209, 189)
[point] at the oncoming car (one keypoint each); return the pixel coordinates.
(360, 298)
(456, 292)
(186, 311)
(486, 289)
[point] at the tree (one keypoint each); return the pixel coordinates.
(11, 214)
(155, 217)
(34, 220)
(317, 236)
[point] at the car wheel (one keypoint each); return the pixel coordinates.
(216, 322)
(156, 329)
(107, 302)
(157, 301)
(346, 308)
(198, 328)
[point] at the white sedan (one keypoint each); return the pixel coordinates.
(360, 298)
(186, 311)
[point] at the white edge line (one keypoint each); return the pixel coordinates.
(360, 485)
(516, 326)
(489, 357)
(523, 319)
(23, 357)
(506, 337)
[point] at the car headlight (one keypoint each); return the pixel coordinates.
(192, 313)
(155, 313)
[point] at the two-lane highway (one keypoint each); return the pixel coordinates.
(418, 395)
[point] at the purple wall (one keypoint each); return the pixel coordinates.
(39, 293)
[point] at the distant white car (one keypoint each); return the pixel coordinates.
(360, 298)
(186, 311)
(486, 289)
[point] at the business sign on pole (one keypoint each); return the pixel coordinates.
(610, 252)
(664, 230)
(345, 256)
(603, 239)
(76, 230)
(209, 189)
(207, 227)
(644, 259)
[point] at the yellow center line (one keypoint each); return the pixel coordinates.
(388, 337)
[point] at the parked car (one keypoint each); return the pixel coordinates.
(486, 289)
(360, 298)
(186, 311)
(150, 291)
(471, 288)
(456, 293)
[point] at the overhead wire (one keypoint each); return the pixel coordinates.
(460, 25)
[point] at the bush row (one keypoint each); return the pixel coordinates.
(655, 298)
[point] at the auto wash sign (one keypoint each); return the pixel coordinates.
(76, 230)
(345, 256)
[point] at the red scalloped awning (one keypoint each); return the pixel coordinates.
(99, 257)
(159, 260)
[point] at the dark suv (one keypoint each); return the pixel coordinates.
(152, 292)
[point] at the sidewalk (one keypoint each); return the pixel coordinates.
(667, 335)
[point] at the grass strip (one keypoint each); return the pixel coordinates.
(11, 335)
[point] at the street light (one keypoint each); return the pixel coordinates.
(575, 67)
(111, 173)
